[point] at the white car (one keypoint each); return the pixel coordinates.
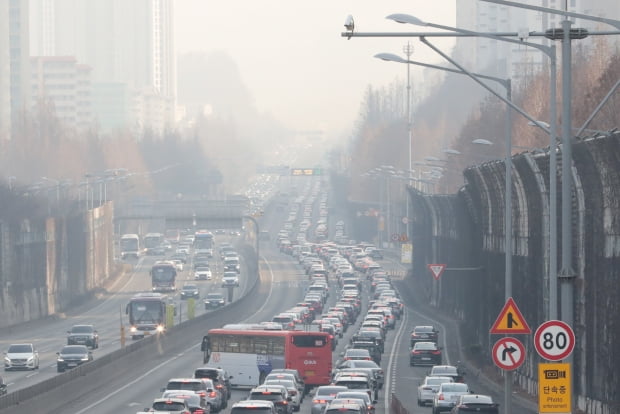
(203, 273)
(178, 264)
(447, 395)
(428, 388)
(230, 279)
(21, 356)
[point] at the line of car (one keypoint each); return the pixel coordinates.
(443, 387)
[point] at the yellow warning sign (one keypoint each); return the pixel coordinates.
(510, 320)
(554, 388)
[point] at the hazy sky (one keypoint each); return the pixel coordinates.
(292, 58)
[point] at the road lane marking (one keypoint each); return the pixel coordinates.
(177, 356)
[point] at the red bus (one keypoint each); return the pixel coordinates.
(252, 353)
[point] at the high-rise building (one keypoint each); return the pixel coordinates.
(63, 85)
(14, 62)
(124, 42)
(504, 59)
(5, 73)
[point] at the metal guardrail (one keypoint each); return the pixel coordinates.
(38, 390)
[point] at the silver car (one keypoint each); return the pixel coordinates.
(323, 396)
(428, 388)
(21, 356)
(447, 395)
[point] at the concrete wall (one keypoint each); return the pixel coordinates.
(466, 231)
(49, 264)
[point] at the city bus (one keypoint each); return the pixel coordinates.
(163, 276)
(203, 243)
(147, 314)
(153, 243)
(130, 246)
(252, 353)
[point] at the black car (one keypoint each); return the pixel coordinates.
(214, 300)
(373, 349)
(190, 291)
(70, 356)
(220, 379)
(475, 403)
(278, 395)
(179, 256)
(425, 353)
(83, 335)
(424, 333)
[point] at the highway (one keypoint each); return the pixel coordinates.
(105, 312)
(130, 384)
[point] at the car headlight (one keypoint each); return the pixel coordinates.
(30, 359)
(60, 359)
(133, 329)
(160, 328)
(7, 359)
(85, 358)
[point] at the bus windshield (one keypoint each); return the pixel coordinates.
(148, 311)
(152, 240)
(129, 244)
(163, 273)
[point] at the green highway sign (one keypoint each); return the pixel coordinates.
(306, 171)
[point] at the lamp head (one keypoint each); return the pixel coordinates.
(390, 57)
(406, 18)
(482, 141)
(349, 24)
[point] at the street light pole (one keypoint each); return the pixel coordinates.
(408, 49)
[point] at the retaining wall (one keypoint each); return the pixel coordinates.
(46, 265)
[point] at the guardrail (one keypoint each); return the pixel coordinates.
(38, 390)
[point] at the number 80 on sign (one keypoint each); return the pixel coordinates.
(554, 340)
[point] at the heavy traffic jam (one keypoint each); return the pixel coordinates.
(328, 353)
(328, 349)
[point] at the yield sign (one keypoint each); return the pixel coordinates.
(436, 269)
(510, 320)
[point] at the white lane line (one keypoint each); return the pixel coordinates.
(132, 382)
(391, 374)
(124, 387)
(136, 269)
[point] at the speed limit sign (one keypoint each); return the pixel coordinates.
(554, 340)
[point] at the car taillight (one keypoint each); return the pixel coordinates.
(416, 352)
(440, 397)
(319, 401)
(212, 394)
(436, 352)
(220, 386)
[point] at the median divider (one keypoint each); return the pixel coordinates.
(37, 397)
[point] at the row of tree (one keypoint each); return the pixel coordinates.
(458, 112)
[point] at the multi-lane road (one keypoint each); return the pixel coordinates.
(131, 384)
